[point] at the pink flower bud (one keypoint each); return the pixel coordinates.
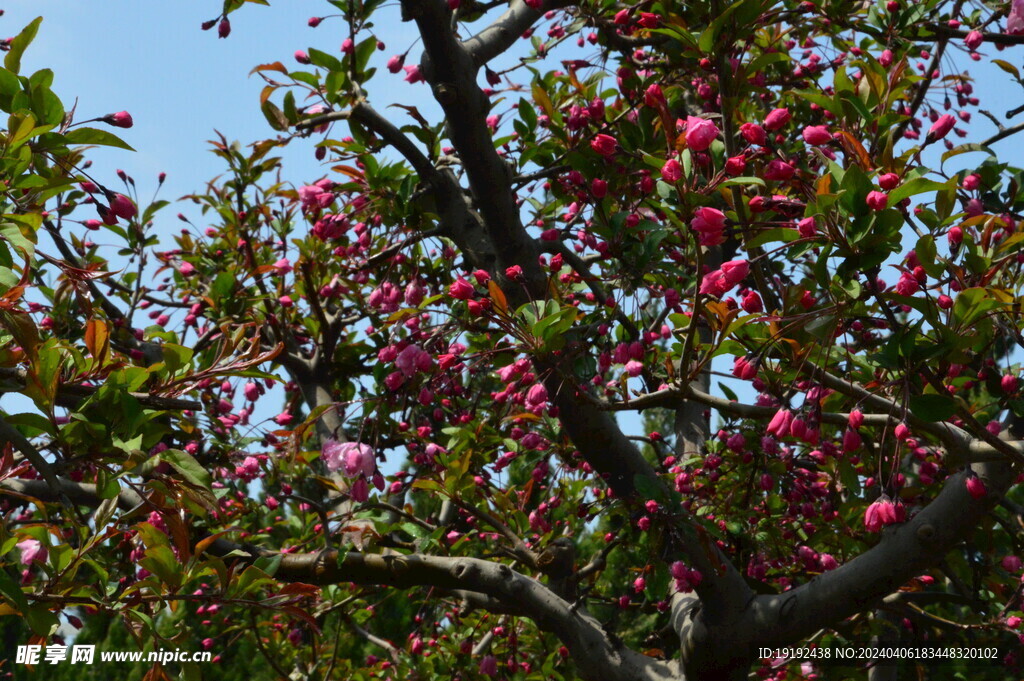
(461, 289)
(604, 144)
(877, 200)
(777, 118)
(122, 207)
(888, 181)
(973, 40)
(121, 119)
(672, 171)
(975, 487)
(940, 128)
(700, 133)
(817, 134)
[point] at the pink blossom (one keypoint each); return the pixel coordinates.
(941, 127)
(753, 134)
(672, 171)
(1009, 383)
(186, 269)
(32, 551)
(817, 134)
(251, 391)
(888, 181)
(777, 118)
(881, 513)
(907, 285)
(413, 74)
(780, 424)
(744, 369)
(461, 289)
(408, 359)
(1015, 20)
(360, 490)
(752, 303)
(122, 207)
(807, 228)
(489, 663)
(604, 145)
(314, 197)
(301, 57)
(734, 271)
(855, 419)
(877, 200)
(778, 171)
(851, 440)
(634, 368)
(975, 487)
(396, 62)
(885, 58)
(224, 28)
(700, 133)
(121, 119)
(354, 457)
(709, 224)
(536, 398)
(974, 40)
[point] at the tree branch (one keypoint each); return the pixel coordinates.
(596, 655)
(71, 395)
(507, 29)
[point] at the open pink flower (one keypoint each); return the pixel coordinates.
(354, 457)
(700, 133)
(32, 551)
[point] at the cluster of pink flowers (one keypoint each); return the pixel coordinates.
(409, 361)
(355, 460)
(718, 282)
(316, 196)
(883, 512)
(686, 579)
(709, 223)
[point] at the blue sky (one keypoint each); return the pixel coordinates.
(178, 82)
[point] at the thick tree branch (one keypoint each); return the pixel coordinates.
(507, 29)
(451, 72)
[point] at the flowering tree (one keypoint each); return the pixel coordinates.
(502, 450)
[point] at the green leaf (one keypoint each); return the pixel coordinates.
(854, 189)
(95, 136)
(918, 185)
(927, 256)
(12, 62)
(189, 468)
(10, 589)
(932, 407)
